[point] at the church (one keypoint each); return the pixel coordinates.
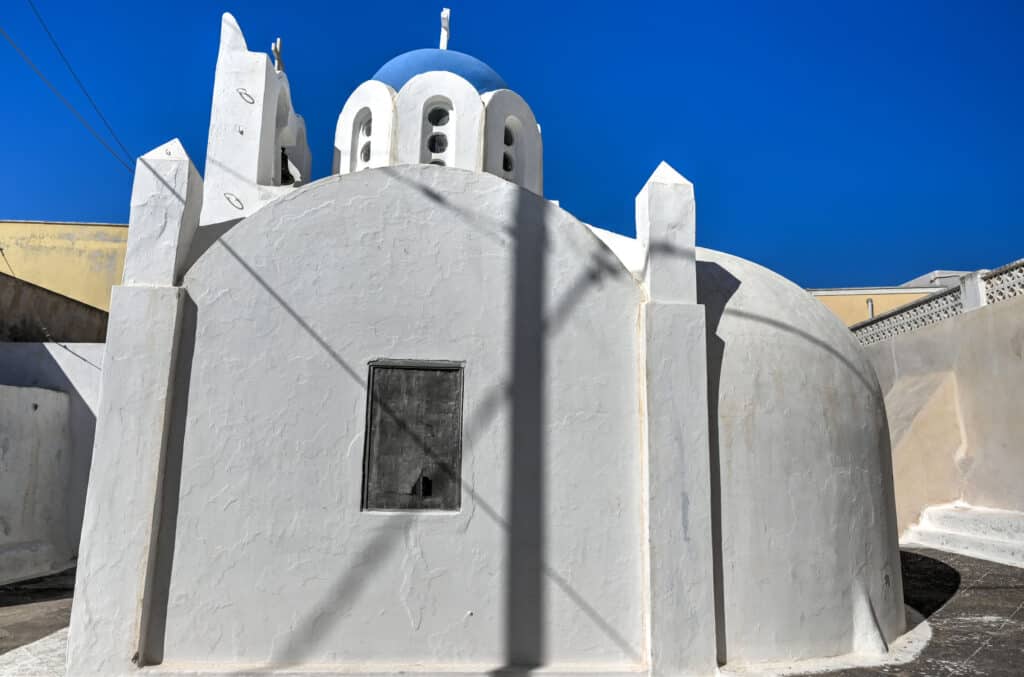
(414, 417)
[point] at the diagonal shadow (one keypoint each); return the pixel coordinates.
(308, 632)
(526, 564)
(526, 567)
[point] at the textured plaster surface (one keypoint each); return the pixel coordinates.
(274, 563)
(800, 456)
(666, 215)
(166, 200)
(507, 113)
(464, 129)
(626, 248)
(927, 439)
(35, 450)
(682, 584)
(72, 368)
(251, 121)
(124, 480)
(984, 351)
(246, 548)
(372, 102)
(974, 625)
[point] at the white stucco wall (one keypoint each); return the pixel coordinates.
(807, 539)
(72, 369)
(511, 130)
(251, 120)
(34, 453)
(463, 131)
(372, 102)
(115, 569)
(613, 520)
(273, 560)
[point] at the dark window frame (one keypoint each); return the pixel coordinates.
(368, 454)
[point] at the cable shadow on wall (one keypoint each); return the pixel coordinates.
(525, 562)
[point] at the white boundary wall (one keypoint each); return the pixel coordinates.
(48, 480)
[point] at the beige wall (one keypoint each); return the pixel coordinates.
(953, 398)
(853, 308)
(78, 260)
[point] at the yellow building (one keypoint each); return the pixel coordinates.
(857, 304)
(81, 261)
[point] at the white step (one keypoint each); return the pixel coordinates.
(965, 519)
(994, 535)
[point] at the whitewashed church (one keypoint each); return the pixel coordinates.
(413, 417)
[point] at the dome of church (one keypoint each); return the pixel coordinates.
(805, 474)
(403, 67)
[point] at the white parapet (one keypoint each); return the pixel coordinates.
(440, 121)
(107, 632)
(972, 290)
(513, 148)
(257, 149)
(34, 444)
(365, 134)
(666, 226)
(167, 196)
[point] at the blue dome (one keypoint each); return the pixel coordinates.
(403, 67)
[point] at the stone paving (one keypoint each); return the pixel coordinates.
(976, 612)
(42, 658)
(30, 610)
(33, 626)
(975, 609)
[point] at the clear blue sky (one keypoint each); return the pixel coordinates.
(839, 143)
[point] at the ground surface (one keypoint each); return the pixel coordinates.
(30, 613)
(975, 608)
(34, 609)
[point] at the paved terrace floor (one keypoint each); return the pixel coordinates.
(976, 612)
(975, 608)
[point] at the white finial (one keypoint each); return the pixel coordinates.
(275, 47)
(445, 30)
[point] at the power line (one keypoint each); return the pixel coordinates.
(85, 123)
(81, 85)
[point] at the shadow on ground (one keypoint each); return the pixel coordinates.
(976, 613)
(33, 609)
(928, 583)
